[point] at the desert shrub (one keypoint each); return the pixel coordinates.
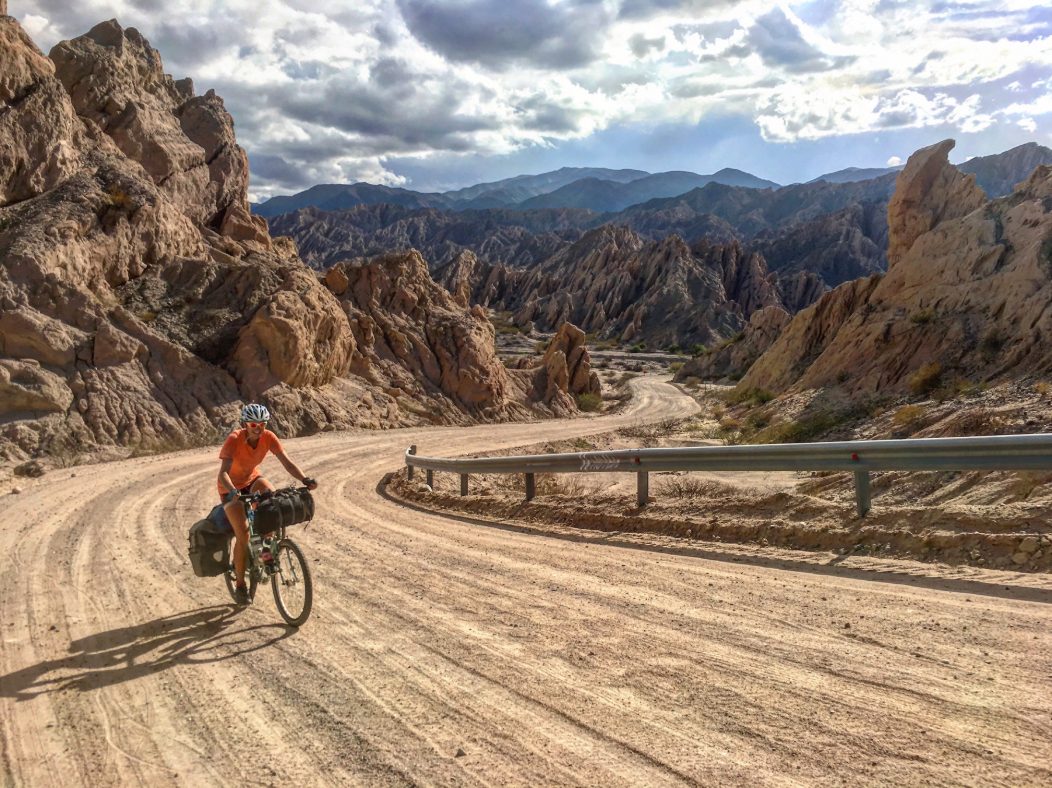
(147, 315)
(908, 415)
(540, 346)
(922, 317)
(673, 348)
(638, 347)
(699, 350)
(120, 199)
(990, 345)
(801, 430)
(589, 402)
(843, 376)
(687, 487)
(750, 396)
(926, 379)
(675, 366)
(1042, 388)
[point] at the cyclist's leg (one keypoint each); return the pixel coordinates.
(261, 484)
(235, 512)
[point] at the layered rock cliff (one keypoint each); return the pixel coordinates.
(614, 283)
(140, 302)
(968, 294)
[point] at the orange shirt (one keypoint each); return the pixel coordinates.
(244, 468)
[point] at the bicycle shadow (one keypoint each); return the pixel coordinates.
(200, 636)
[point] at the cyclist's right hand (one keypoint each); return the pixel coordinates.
(233, 495)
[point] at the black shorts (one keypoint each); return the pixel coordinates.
(246, 490)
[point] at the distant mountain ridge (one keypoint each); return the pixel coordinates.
(605, 190)
(592, 188)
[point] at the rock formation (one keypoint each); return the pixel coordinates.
(140, 302)
(614, 283)
(967, 295)
(734, 356)
(565, 371)
(928, 191)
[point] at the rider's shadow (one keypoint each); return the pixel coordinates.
(128, 653)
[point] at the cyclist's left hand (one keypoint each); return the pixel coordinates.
(310, 484)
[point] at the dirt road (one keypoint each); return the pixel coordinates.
(443, 651)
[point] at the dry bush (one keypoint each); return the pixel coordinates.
(589, 403)
(926, 379)
(564, 484)
(691, 488)
(908, 415)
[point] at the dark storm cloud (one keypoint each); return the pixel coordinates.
(397, 111)
(275, 168)
(641, 45)
(778, 41)
(184, 48)
(499, 34)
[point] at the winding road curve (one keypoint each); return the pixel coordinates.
(443, 651)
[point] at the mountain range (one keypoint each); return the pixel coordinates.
(610, 191)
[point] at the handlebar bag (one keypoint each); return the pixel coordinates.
(208, 549)
(284, 508)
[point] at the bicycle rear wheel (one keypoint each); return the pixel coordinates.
(292, 585)
(250, 578)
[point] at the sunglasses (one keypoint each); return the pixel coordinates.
(260, 424)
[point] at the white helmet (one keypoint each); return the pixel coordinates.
(255, 412)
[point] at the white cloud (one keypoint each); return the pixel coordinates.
(323, 92)
(894, 161)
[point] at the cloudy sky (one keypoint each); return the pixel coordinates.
(438, 95)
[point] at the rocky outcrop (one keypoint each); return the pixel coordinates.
(140, 302)
(413, 338)
(834, 248)
(614, 283)
(184, 142)
(732, 358)
(40, 136)
(928, 191)
(968, 298)
(565, 371)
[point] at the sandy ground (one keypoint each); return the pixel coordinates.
(458, 651)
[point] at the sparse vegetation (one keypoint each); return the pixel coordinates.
(120, 199)
(908, 415)
(922, 317)
(750, 397)
(589, 403)
(638, 347)
(925, 380)
(990, 345)
(675, 366)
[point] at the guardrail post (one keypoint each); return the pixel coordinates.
(642, 488)
(430, 478)
(408, 467)
(531, 486)
(862, 492)
(463, 484)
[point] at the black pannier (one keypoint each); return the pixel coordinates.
(284, 508)
(209, 547)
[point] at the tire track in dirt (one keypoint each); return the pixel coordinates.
(431, 634)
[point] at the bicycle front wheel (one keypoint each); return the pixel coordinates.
(293, 589)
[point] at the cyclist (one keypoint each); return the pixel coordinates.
(242, 452)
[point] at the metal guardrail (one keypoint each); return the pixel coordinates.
(989, 453)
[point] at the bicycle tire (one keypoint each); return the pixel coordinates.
(293, 579)
(250, 579)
